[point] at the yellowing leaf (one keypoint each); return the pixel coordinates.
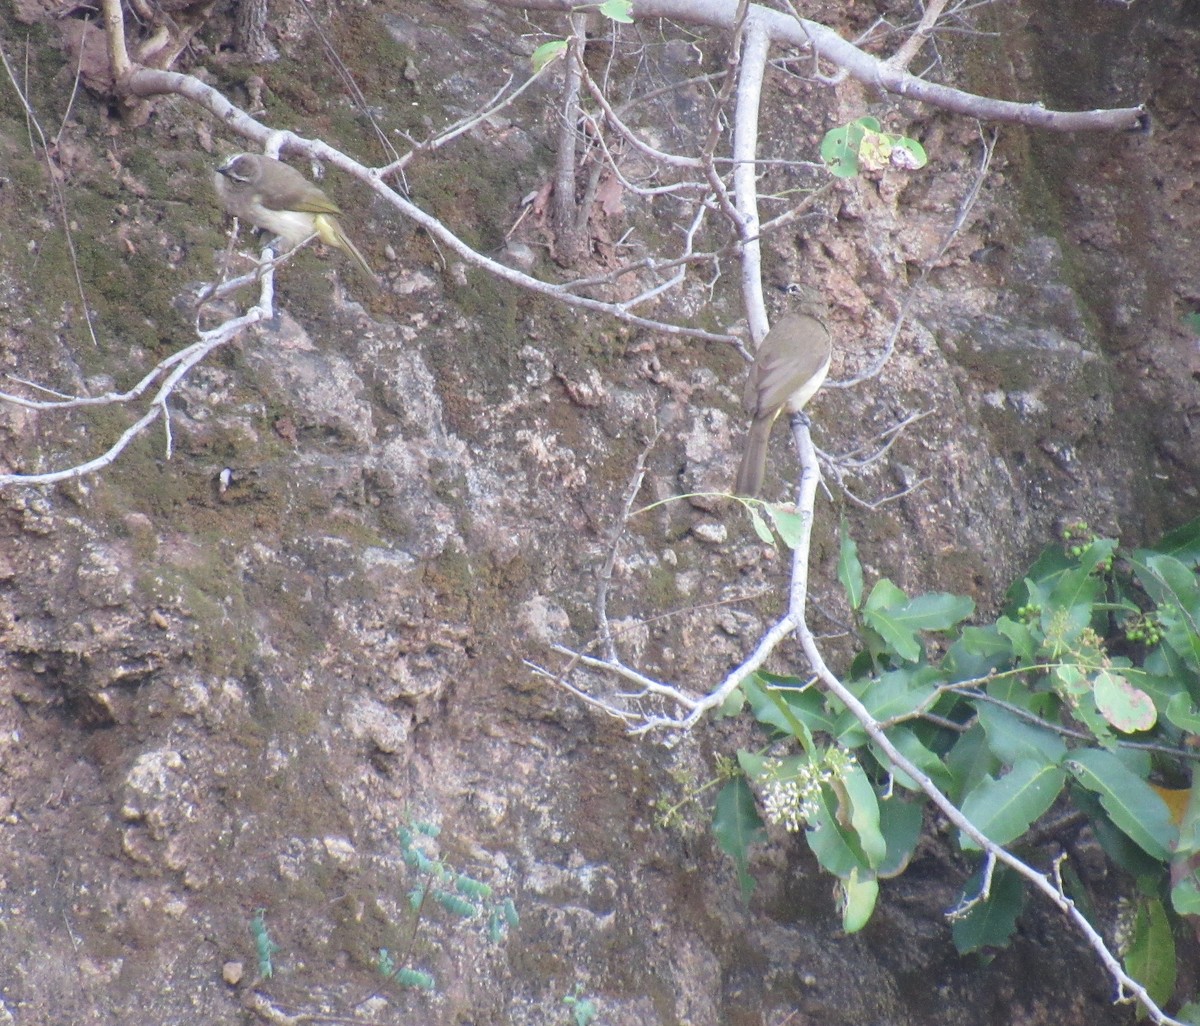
(1127, 708)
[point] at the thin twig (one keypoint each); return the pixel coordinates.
(59, 197)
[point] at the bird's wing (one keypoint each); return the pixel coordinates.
(300, 194)
(780, 370)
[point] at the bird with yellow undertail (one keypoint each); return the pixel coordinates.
(276, 197)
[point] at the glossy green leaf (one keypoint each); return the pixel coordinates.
(839, 147)
(858, 897)
(849, 568)
(786, 705)
(1163, 691)
(733, 705)
(913, 749)
(1183, 543)
(1004, 809)
(759, 524)
(897, 618)
(788, 523)
(1012, 738)
(1116, 843)
(1132, 804)
(969, 762)
(1173, 585)
(901, 823)
(1021, 637)
(1013, 690)
(618, 10)
(990, 923)
(1035, 586)
(900, 692)
(1169, 581)
(1151, 956)
(864, 814)
(977, 652)
(1076, 688)
(835, 847)
(1189, 1013)
(737, 825)
(1185, 896)
(546, 53)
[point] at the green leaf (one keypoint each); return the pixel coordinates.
(913, 749)
(897, 618)
(1168, 580)
(901, 823)
(1132, 804)
(760, 525)
(1015, 691)
(453, 903)
(1173, 586)
(900, 692)
(969, 762)
(1021, 637)
(1181, 712)
(546, 53)
(788, 523)
(938, 611)
(859, 894)
(912, 156)
(618, 10)
(864, 814)
(1185, 896)
(1061, 624)
(733, 705)
(977, 652)
(1116, 843)
(880, 613)
(1151, 956)
(849, 568)
(835, 847)
(1012, 738)
(1183, 543)
(1067, 609)
(786, 705)
(415, 978)
(1127, 708)
(1033, 587)
(990, 923)
(737, 825)
(1004, 809)
(1076, 688)
(839, 150)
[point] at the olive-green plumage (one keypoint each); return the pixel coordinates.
(788, 368)
(276, 197)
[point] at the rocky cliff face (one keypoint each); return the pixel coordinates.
(230, 676)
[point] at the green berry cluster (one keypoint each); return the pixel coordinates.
(1145, 628)
(1077, 537)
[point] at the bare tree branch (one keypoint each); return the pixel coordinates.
(785, 30)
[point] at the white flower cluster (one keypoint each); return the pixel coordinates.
(791, 794)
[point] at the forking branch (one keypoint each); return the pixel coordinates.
(758, 38)
(762, 27)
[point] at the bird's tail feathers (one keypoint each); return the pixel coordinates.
(332, 234)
